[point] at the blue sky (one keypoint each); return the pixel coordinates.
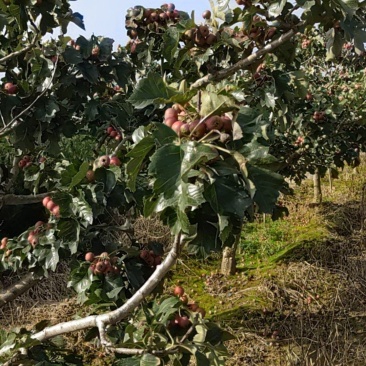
(107, 18)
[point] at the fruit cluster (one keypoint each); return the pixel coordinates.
(140, 16)
(184, 126)
(150, 258)
(51, 206)
(319, 116)
(113, 133)
(33, 236)
(305, 43)
(104, 161)
(102, 264)
(25, 162)
(181, 320)
(200, 36)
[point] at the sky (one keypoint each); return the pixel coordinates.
(107, 18)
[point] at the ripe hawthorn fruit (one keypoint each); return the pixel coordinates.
(90, 176)
(193, 306)
(110, 129)
(185, 130)
(184, 299)
(201, 311)
(46, 200)
(26, 158)
(33, 240)
(157, 260)
(22, 163)
(197, 130)
(104, 161)
(10, 88)
(4, 243)
(96, 51)
(206, 14)
(204, 30)
(100, 267)
(171, 112)
(227, 124)
(176, 127)
(113, 133)
(170, 121)
(183, 321)
(56, 211)
(178, 291)
(211, 39)
(89, 257)
(42, 159)
(114, 160)
(50, 205)
(214, 123)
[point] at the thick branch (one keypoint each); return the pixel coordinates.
(102, 320)
(18, 288)
(15, 199)
(224, 74)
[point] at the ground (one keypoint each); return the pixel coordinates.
(299, 294)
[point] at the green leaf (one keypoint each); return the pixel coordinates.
(268, 185)
(200, 337)
(150, 360)
(68, 229)
(137, 155)
(52, 259)
(107, 177)
(165, 167)
(201, 359)
(80, 175)
(215, 104)
(334, 43)
(227, 197)
(72, 56)
(275, 9)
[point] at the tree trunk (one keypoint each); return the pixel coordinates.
(318, 197)
(330, 179)
(18, 288)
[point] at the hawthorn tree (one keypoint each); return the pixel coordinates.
(192, 121)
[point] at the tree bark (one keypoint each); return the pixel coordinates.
(115, 316)
(15, 199)
(18, 288)
(318, 197)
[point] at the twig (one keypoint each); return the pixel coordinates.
(20, 52)
(14, 199)
(224, 74)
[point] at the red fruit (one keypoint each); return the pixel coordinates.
(56, 211)
(170, 121)
(154, 17)
(113, 134)
(183, 321)
(90, 175)
(50, 205)
(163, 17)
(198, 130)
(206, 14)
(179, 291)
(38, 224)
(176, 126)
(171, 7)
(4, 243)
(193, 306)
(89, 257)
(201, 311)
(184, 130)
(144, 255)
(46, 200)
(104, 161)
(171, 112)
(26, 158)
(204, 30)
(114, 160)
(227, 125)
(22, 164)
(109, 130)
(100, 267)
(92, 268)
(8, 252)
(118, 137)
(33, 240)
(42, 159)
(211, 39)
(213, 123)
(157, 260)
(10, 88)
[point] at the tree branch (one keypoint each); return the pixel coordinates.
(224, 74)
(115, 316)
(15, 199)
(20, 52)
(18, 288)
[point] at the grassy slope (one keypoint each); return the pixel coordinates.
(286, 300)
